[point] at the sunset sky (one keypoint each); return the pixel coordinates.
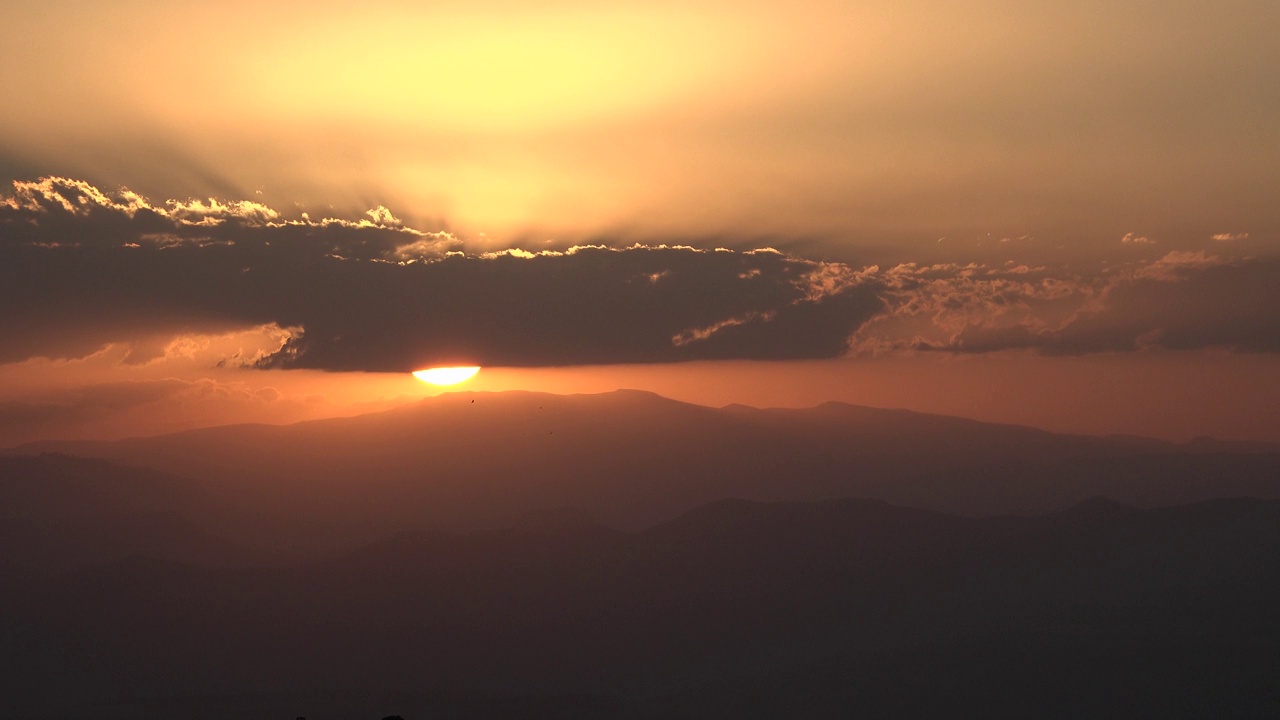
(1056, 214)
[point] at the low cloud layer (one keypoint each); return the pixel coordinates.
(80, 268)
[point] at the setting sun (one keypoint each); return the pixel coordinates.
(446, 375)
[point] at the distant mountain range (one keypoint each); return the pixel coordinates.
(625, 555)
(735, 609)
(630, 459)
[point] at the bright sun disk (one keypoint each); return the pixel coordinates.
(446, 375)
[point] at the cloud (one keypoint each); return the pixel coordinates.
(1174, 265)
(1136, 239)
(693, 335)
(375, 295)
(583, 306)
(1228, 237)
(81, 268)
(1182, 301)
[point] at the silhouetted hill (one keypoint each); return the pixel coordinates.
(1143, 480)
(739, 609)
(59, 512)
(475, 460)
(1098, 506)
(53, 487)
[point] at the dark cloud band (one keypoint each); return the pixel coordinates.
(80, 268)
(83, 267)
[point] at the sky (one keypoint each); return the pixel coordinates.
(1058, 214)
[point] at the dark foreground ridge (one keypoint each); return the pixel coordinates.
(533, 555)
(737, 608)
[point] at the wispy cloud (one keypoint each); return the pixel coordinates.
(1183, 300)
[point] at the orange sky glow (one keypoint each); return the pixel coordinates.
(1057, 214)
(1176, 396)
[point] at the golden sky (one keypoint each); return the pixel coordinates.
(1055, 213)
(837, 126)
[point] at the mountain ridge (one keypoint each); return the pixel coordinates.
(833, 608)
(1204, 443)
(632, 458)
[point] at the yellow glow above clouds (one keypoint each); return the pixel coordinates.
(500, 117)
(537, 69)
(446, 375)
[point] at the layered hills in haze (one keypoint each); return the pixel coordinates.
(625, 555)
(630, 459)
(736, 609)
